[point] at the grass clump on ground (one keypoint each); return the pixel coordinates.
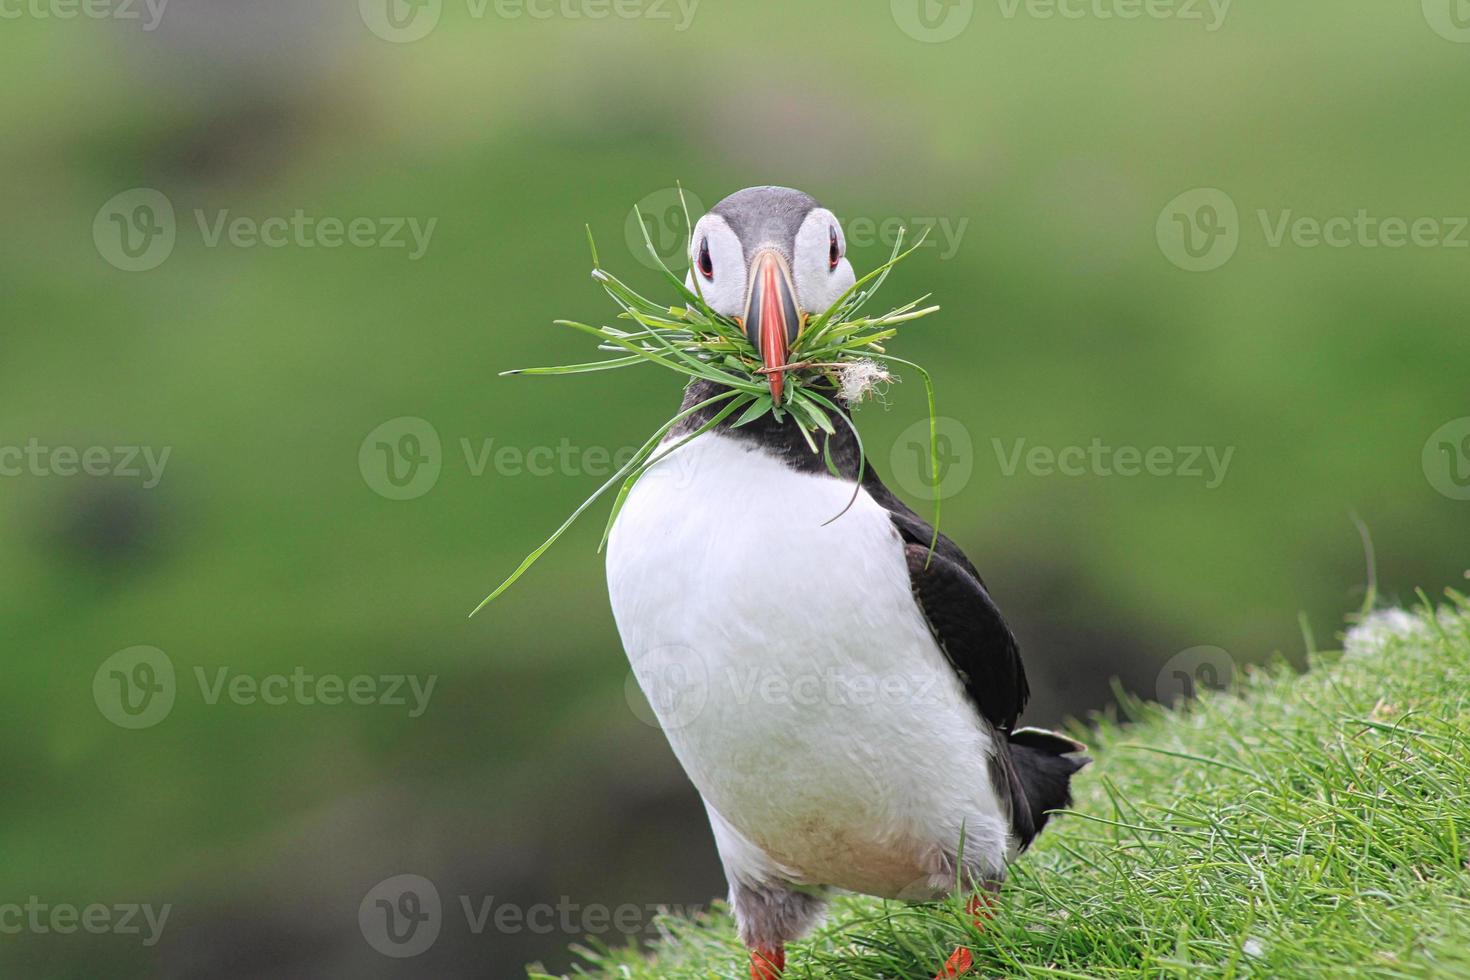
(1299, 825)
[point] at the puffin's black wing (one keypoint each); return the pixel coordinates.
(1031, 769)
(961, 615)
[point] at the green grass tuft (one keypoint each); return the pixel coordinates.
(1312, 825)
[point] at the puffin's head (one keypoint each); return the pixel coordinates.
(768, 257)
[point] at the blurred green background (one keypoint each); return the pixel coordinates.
(1049, 147)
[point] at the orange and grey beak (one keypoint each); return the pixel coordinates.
(772, 320)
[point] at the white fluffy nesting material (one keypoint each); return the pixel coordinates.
(1370, 636)
(859, 380)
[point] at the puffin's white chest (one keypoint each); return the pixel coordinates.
(793, 673)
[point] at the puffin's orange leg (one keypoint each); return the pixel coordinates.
(961, 961)
(767, 963)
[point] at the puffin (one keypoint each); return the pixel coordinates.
(834, 678)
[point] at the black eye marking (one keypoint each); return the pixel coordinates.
(706, 264)
(834, 252)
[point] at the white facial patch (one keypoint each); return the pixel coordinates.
(819, 283)
(724, 287)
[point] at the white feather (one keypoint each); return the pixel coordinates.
(819, 284)
(796, 679)
(724, 290)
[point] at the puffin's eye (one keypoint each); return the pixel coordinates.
(706, 264)
(834, 251)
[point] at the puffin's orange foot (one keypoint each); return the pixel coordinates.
(767, 963)
(961, 961)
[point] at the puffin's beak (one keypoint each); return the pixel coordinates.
(772, 320)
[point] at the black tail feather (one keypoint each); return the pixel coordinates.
(1043, 764)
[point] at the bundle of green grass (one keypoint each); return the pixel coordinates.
(839, 351)
(1310, 825)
